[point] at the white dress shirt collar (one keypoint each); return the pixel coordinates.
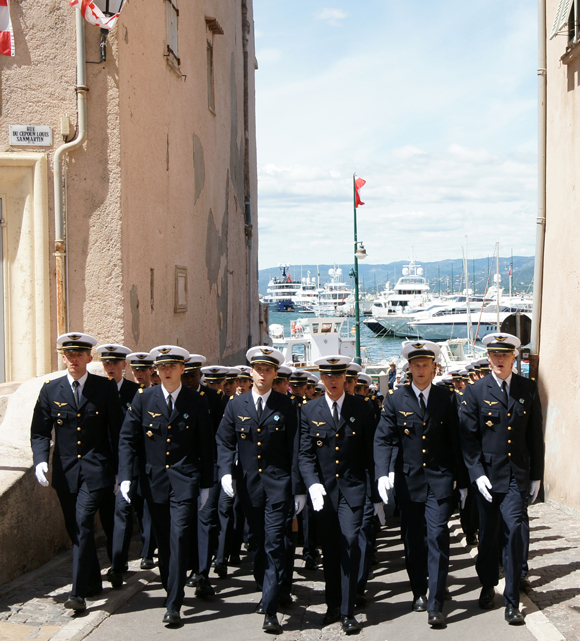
(264, 397)
(173, 394)
(339, 402)
(81, 381)
(508, 381)
(425, 393)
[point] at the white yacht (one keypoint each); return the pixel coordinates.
(312, 338)
(282, 289)
(332, 297)
(306, 296)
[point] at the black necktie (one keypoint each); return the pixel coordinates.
(422, 403)
(75, 386)
(335, 414)
(259, 408)
(170, 405)
(505, 393)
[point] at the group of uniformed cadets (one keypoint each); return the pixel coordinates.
(197, 463)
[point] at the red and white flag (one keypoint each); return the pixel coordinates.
(6, 33)
(91, 13)
(359, 183)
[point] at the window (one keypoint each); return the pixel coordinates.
(210, 94)
(172, 15)
(564, 15)
(180, 304)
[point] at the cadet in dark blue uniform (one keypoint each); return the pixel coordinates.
(261, 426)
(114, 360)
(336, 452)
(85, 413)
(417, 439)
(503, 447)
(169, 428)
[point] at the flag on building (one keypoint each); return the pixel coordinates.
(359, 183)
(6, 33)
(91, 13)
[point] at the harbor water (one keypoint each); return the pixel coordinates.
(373, 348)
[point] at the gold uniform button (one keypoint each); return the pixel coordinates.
(169, 427)
(277, 429)
(338, 476)
(424, 464)
(260, 429)
(424, 451)
(336, 435)
(354, 433)
(509, 414)
(169, 440)
(424, 423)
(167, 467)
(424, 437)
(187, 427)
(259, 443)
(79, 415)
(337, 448)
(509, 453)
(260, 470)
(150, 424)
(509, 427)
(78, 443)
(79, 456)
(337, 462)
(167, 453)
(509, 441)
(524, 411)
(404, 423)
(58, 414)
(259, 456)
(490, 413)
(317, 434)
(78, 429)
(97, 413)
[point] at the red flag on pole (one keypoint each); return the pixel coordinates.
(359, 183)
(6, 33)
(91, 13)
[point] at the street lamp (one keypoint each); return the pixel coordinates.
(109, 8)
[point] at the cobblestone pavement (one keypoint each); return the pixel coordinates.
(32, 606)
(555, 567)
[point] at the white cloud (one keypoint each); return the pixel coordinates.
(332, 16)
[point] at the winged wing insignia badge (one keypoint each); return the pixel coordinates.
(154, 415)
(60, 404)
(319, 423)
(490, 403)
(244, 418)
(405, 414)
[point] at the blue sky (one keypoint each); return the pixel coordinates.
(433, 103)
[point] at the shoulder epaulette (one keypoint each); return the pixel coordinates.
(201, 393)
(391, 391)
(304, 402)
(220, 391)
(471, 382)
(366, 398)
(373, 398)
(47, 381)
(299, 404)
(291, 398)
(142, 385)
(231, 397)
(140, 390)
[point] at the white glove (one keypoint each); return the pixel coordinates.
(203, 496)
(462, 497)
(116, 486)
(299, 503)
(227, 485)
(40, 471)
(385, 484)
(125, 488)
(483, 485)
(534, 489)
(317, 494)
(380, 512)
(392, 479)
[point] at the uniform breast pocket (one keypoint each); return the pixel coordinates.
(243, 432)
(60, 416)
(277, 426)
(352, 431)
(406, 425)
(490, 417)
(522, 414)
(151, 427)
(319, 436)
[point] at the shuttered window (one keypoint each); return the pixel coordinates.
(562, 17)
(172, 15)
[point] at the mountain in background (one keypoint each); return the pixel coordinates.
(442, 275)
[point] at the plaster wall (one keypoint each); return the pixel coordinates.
(559, 376)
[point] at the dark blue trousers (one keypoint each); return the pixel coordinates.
(207, 530)
(266, 538)
(512, 508)
(366, 540)
(341, 554)
(79, 511)
(172, 522)
(123, 530)
(425, 530)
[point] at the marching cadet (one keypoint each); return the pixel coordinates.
(203, 533)
(114, 360)
(336, 451)
(503, 447)
(214, 376)
(169, 427)
(311, 383)
(298, 381)
(261, 426)
(319, 390)
(85, 413)
(245, 380)
(417, 440)
(352, 372)
(231, 381)
(280, 383)
(141, 364)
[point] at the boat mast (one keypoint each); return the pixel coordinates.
(469, 325)
(497, 278)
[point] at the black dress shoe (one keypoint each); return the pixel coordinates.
(419, 603)
(513, 616)
(172, 617)
(310, 563)
(524, 583)
(147, 563)
(115, 578)
(486, 598)
(436, 619)
(76, 603)
(260, 608)
(204, 588)
(285, 598)
(193, 580)
(332, 616)
(235, 559)
(471, 539)
(221, 569)
(350, 625)
(271, 624)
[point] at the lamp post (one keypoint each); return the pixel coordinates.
(109, 8)
(359, 253)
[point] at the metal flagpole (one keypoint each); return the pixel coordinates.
(356, 303)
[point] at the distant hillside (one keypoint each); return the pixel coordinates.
(442, 275)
